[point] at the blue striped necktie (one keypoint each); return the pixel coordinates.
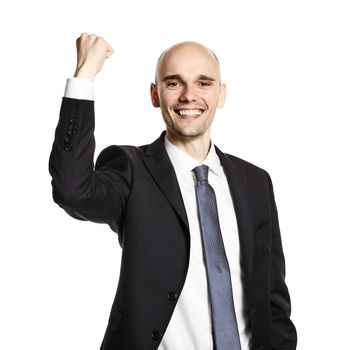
(224, 324)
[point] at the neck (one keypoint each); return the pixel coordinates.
(196, 147)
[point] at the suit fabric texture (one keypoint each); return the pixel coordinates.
(135, 191)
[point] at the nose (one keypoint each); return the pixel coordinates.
(187, 94)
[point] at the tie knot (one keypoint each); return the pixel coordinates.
(201, 172)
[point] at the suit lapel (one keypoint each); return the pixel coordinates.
(239, 193)
(159, 165)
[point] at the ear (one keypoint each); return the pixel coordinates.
(222, 96)
(154, 96)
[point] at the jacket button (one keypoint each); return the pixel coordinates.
(156, 335)
(172, 296)
(67, 147)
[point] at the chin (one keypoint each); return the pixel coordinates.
(188, 133)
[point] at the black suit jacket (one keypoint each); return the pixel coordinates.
(135, 191)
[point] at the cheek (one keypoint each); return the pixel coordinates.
(211, 103)
(211, 98)
(167, 97)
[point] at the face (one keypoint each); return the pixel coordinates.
(188, 90)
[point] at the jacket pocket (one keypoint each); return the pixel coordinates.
(262, 257)
(263, 225)
(262, 237)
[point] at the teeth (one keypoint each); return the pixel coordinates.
(190, 112)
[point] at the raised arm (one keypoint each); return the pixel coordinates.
(97, 195)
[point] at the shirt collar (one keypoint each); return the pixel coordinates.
(184, 164)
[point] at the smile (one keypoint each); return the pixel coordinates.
(189, 112)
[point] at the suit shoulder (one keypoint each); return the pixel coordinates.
(245, 165)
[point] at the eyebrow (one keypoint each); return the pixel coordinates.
(178, 77)
(205, 77)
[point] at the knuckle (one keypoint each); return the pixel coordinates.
(81, 37)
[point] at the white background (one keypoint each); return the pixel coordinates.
(286, 65)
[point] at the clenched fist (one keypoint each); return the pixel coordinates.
(92, 51)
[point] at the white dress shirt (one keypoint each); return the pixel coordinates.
(190, 324)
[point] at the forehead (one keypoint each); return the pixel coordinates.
(188, 60)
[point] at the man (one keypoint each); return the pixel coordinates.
(202, 264)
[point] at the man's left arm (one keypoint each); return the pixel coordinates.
(284, 336)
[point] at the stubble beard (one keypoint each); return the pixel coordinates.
(182, 133)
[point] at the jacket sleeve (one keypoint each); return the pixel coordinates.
(85, 193)
(284, 335)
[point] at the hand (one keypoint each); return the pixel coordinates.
(92, 51)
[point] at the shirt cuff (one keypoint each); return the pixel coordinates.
(79, 88)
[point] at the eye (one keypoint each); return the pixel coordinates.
(173, 84)
(205, 83)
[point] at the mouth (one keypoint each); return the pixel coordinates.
(189, 113)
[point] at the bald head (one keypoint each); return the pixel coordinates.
(188, 90)
(188, 52)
